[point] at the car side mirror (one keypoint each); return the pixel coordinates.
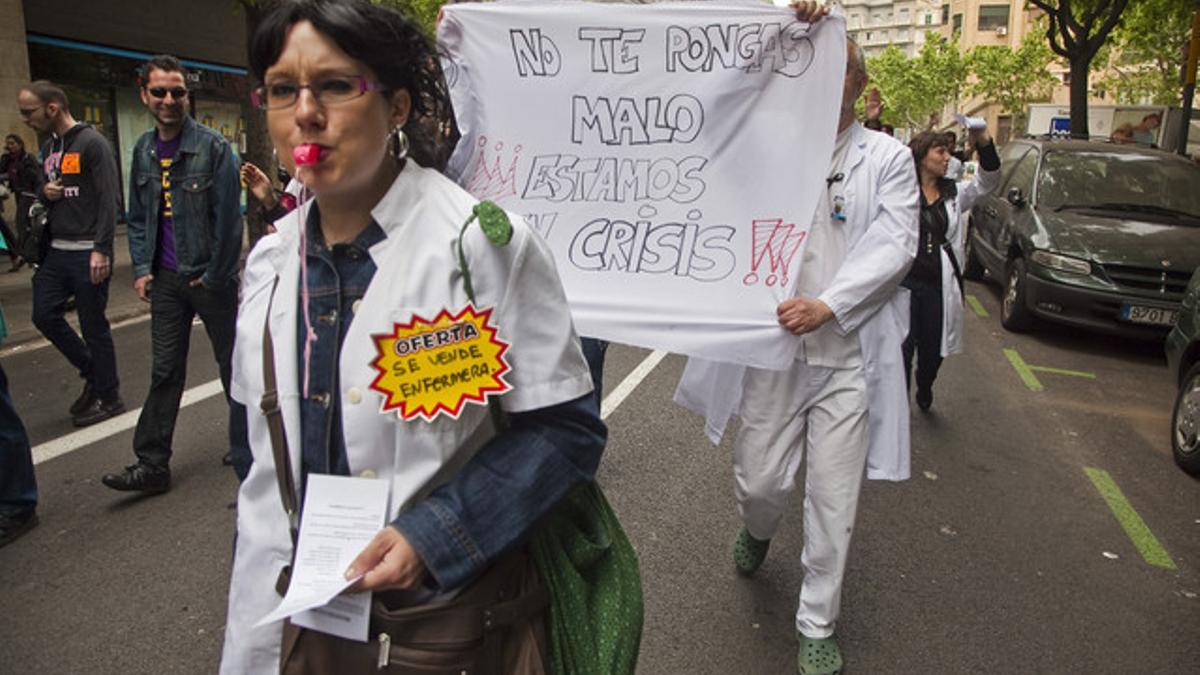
(1016, 197)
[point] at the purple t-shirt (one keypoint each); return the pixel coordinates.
(166, 224)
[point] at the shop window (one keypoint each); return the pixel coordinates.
(993, 17)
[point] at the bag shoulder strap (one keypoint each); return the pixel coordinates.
(270, 409)
(958, 276)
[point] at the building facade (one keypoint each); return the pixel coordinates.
(94, 50)
(875, 24)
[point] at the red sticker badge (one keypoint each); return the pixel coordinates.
(432, 367)
(70, 163)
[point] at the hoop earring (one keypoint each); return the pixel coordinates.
(398, 143)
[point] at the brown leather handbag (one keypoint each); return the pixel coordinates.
(494, 626)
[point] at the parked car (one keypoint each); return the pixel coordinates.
(1094, 235)
(1183, 359)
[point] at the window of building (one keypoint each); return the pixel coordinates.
(992, 17)
(928, 18)
(904, 15)
(855, 21)
(945, 14)
(902, 34)
(957, 23)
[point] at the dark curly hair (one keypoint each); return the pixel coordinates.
(388, 42)
(925, 141)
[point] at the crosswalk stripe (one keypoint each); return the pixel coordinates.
(111, 427)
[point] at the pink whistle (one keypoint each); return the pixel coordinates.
(307, 154)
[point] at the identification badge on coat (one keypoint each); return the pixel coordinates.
(431, 367)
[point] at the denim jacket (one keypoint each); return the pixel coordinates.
(206, 200)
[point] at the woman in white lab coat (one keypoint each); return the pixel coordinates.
(377, 247)
(935, 280)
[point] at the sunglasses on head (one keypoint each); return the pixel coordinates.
(161, 92)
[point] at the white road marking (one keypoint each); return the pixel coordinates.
(111, 427)
(35, 345)
(97, 432)
(631, 381)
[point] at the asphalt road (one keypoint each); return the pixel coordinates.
(1000, 555)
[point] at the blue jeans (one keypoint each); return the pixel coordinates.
(593, 353)
(173, 306)
(64, 274)
(18, 488)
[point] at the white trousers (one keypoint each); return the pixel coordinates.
(783, 413)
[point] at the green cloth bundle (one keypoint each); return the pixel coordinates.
(591, 570)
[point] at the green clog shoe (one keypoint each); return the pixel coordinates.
(819, 657)
(748, 552)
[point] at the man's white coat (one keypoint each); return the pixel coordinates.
(881, 236)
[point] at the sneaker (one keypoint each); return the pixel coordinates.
(98, 411)
(139, 478)
(12, 526)
(748, 552)
(85, 400)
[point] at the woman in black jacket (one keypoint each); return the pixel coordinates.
(24, 178)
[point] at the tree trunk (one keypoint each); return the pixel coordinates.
(1079, 97)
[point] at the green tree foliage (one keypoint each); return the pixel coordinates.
(917, 87)
(1148, 51)
(423, 12)
(1013, 78)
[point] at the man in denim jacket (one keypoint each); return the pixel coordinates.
(185, 238)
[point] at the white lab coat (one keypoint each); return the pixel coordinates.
(881, 236)
(417, 274)
(969, 191)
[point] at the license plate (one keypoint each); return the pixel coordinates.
(1155, 316)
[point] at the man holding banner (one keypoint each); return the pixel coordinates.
(843, 399)
(660, 152)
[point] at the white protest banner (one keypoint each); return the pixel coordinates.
(672, 155)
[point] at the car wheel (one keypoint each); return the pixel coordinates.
(972, 268)
(1185, 423)
(1014, 314)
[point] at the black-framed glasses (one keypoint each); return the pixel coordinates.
(161, 92)
(326, 91)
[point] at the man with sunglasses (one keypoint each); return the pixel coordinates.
(185, 239)
(80, 199)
